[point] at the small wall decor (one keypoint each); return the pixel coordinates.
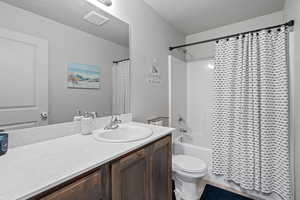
(83, 76)
(154, 77)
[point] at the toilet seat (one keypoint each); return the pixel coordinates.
(189, 164)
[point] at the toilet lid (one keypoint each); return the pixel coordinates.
(189, 164)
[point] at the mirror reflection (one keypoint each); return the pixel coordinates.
(61, 59)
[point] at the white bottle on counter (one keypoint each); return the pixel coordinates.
(87, 125)
(77, 121)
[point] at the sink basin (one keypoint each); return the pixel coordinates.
(125, 133)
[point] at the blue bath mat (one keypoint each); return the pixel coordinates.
(213, 193)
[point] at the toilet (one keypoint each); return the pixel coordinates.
(188, 172)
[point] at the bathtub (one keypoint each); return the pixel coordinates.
(183, 145)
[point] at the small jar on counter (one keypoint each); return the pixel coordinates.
(3, 143)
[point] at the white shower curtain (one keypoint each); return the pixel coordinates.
(121, 88)
(251, 113)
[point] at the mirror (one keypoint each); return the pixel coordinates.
(58, 58)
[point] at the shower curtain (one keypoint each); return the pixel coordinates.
(121, 88)
(251, 113)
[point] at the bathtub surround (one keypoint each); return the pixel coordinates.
(177, 92)
(200, 76)
(251, 115)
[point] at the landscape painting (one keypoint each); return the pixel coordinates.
(83, 76)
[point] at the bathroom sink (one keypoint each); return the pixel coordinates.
(124, 133)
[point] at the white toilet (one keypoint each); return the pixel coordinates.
(188, 172)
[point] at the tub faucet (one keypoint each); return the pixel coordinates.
(114, 123)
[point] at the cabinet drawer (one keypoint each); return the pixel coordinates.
(88, 188)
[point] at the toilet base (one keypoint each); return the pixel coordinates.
(188, 190)
(180, 196)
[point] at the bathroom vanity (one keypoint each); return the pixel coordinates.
(81, 167)
(141, 174)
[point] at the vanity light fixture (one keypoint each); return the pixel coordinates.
(106, 2)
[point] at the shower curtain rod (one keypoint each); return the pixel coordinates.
(118, 61)
(290, 24)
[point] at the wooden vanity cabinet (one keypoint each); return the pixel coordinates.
(161, 170)
(144, 174)
(94, 186)
(130, 176)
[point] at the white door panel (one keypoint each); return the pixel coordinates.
(24, 80)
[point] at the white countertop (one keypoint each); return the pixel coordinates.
(29, 170)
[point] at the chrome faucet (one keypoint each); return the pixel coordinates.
(114, 123)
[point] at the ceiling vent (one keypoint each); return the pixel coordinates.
(95, 18)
